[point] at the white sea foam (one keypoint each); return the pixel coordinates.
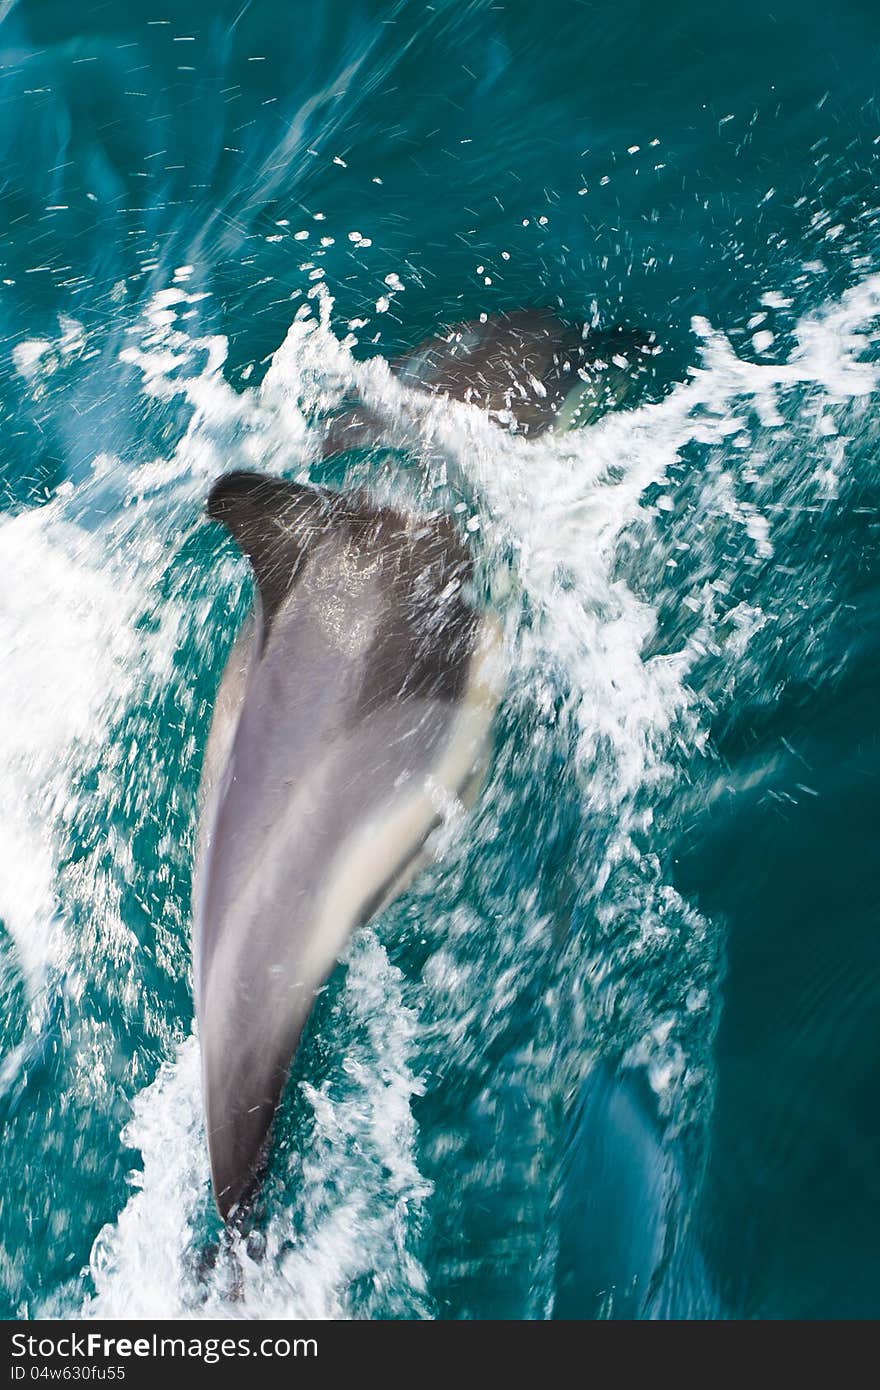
(67, 647)
(139, 1265)
(357, 1188)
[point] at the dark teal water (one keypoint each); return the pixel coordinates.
(615, 1054)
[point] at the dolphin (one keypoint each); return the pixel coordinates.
(355, 707)
(527, 369)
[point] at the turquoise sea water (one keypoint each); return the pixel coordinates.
(615, 1053)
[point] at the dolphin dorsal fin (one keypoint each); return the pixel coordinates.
(272, 522)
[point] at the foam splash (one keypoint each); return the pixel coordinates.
(357, 1189)
(141, 1265)
(68, 647)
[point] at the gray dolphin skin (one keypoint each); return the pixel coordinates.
(357, 701)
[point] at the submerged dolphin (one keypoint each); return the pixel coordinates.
(528, 369)
(356, 702)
